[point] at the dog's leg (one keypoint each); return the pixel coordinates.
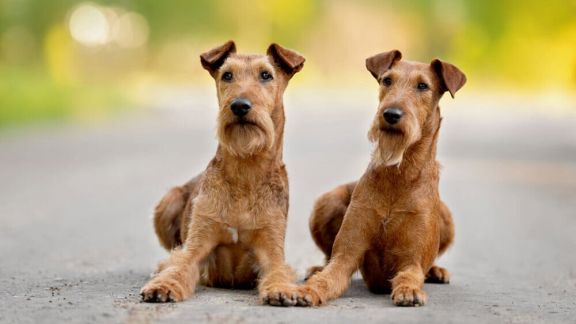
(353, 240)
(246, 273)
(438, 274)
(230, 267)
(179, 274)
(407, 287)
(313, 270)
(375, 273)
(170, 212)
(168, 215)
(276, 286)
(446, 228)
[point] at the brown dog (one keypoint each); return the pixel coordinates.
(228, 224)
(391, 223)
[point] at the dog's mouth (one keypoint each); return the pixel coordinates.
(246, 136)
(389, 130)
(242, 122)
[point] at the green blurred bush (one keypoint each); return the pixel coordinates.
(65, 58)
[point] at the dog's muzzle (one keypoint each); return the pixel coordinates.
(393, 115)
(240, 107)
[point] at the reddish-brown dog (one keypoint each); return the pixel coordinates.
(391, 223)
(227, 225)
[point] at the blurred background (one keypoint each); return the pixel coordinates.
(82, 60)
(104, 106)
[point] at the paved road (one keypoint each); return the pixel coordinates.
(76, 241)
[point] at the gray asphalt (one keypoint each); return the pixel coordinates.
(76, 239)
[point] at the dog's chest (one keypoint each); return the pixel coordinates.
(242, 208)
(240, 220)
(237, 232)
(249, 210)
(233, 231)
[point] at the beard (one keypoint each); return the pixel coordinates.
(391, 143)
(246, 137)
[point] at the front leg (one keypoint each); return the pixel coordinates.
(177, 276)
(407, 286)
(353, 240)
(413, 252)
(276, 286)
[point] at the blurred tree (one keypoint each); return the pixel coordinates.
(523, 45)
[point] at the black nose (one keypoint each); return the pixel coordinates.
(240, 107)
(392, 115)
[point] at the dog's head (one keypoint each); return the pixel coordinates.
(250, 89)
(409, 95)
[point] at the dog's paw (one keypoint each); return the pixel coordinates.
(279, 295)
(312, 270)
(308, 297)
(438, 275)
(158, 291)
(407, 296)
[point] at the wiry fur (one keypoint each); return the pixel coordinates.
(245, 140)
(226, 227)
(256, 134)
(390, 146)
(391, 224)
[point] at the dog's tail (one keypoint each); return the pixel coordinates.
(168, 217)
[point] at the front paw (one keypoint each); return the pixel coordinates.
(162, 291)
(284, 294)
(407, 296)
(308, 297)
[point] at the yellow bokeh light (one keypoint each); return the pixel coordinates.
(130, 30)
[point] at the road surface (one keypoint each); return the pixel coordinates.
(77, 244)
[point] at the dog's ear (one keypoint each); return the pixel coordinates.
(214, 58)
(289, 61)
(451, 78)
(380, 63)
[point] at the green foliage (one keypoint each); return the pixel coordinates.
(28, 95)
(43, 72)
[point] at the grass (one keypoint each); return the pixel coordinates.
(30, 95)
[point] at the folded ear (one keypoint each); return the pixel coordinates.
(451, 77)
(289, 61)
(214, 58)
(382, 62)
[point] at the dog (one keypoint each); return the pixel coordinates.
(391, 224)
(226, 227)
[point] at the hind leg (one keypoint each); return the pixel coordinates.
(374, 274)
(170, 214)
(230, 267)
(438, 274)
(326, 219)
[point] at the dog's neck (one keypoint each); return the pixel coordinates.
(418, 158)
(255, 167)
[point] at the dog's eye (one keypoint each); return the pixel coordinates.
(387, 81)
(422, 86)
(266, 76)
(227, 76)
